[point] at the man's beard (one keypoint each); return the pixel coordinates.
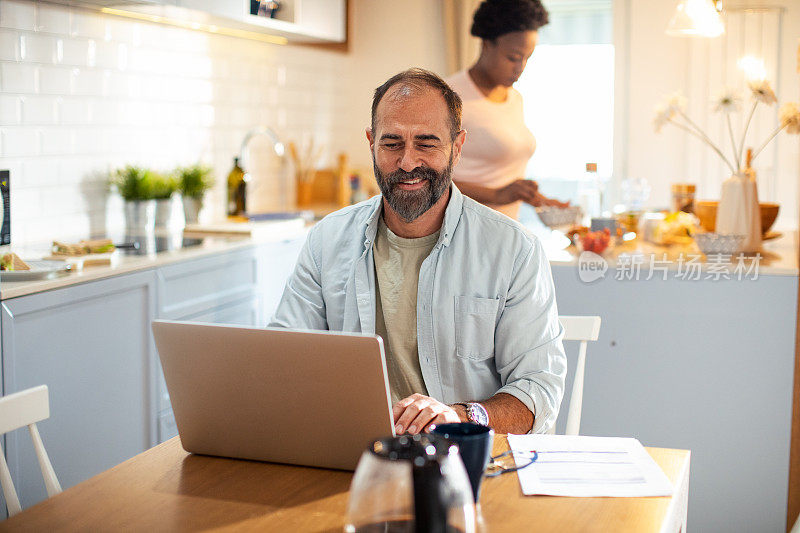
(410, 205)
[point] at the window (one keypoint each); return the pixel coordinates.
(568, 91)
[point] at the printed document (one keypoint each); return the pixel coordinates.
(587, 466)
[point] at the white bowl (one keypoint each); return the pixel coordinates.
(715, 243)
(552, 216)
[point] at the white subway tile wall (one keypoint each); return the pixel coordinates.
(82, 93)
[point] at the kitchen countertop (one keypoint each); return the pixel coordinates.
(124, 264)
(778, 258)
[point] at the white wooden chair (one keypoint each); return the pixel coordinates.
(25, 408)
(583, 329)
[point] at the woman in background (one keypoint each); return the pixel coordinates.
(499, 145)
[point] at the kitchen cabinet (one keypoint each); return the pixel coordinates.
(91, 343)
(237, 288)
(191, 290)
(703, 365)
(218, 289)
(298, 21)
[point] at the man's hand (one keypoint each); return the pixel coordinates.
(417, 413)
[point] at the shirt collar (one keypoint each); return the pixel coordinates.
(451, 217)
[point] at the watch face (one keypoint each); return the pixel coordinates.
(477, 413)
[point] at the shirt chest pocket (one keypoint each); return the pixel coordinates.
(475, 322)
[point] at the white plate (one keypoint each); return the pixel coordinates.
(39, 270)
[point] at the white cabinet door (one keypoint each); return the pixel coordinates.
(220, 289)
(326, 19)
(91, 345)
(192, 288)
(300, 21)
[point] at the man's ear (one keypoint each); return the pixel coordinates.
(370, 138)
(458, 144)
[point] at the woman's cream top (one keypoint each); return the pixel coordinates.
(498, 144)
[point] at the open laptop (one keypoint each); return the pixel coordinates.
(271, 394)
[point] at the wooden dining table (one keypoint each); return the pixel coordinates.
(169, 489)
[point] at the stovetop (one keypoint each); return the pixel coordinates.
(150, 244)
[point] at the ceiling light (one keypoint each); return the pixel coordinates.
(697, 18)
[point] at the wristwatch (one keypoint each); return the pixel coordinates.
(476, 413)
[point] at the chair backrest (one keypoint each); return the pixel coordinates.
(25, 408)
(582, 329)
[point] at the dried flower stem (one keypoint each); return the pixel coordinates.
(703, 137)
(746, 127)
(733, 142)
(700, 133)
(777, 131)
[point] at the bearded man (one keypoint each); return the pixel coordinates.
(461, 294)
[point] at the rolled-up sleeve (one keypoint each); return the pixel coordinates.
(529, 354)
(302, 305)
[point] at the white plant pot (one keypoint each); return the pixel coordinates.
(163, 212)
(140, 217)
(191, 209)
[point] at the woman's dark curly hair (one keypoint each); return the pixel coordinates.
(494, 18)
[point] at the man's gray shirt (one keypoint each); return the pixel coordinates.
(486, 308)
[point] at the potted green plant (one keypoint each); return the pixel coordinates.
(194, 181)
(163, 187)
(134, 184)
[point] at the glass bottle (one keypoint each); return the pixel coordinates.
(683, 197)
(237, 190)
(590, 193)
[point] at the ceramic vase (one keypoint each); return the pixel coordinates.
(738, 212)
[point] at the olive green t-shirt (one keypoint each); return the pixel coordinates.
(397, 264)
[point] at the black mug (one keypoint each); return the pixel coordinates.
(474, 446)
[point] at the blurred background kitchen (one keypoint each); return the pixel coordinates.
(126, 93)
(85, 92)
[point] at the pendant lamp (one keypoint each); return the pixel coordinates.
(697, 18)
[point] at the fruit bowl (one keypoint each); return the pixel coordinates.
(594, 241)
(714, 243)
(706, 211)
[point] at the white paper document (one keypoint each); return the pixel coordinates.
(587, 467)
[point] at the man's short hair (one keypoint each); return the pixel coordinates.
(419, 78)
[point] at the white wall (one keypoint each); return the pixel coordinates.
(83, 92)
(388, 37)
(659, 65)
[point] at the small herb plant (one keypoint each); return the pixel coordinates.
(133, 183)
(194, 180)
